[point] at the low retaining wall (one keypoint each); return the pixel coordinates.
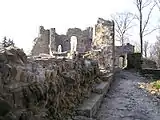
(149, 64)
(154, 72)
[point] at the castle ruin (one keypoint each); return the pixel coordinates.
(99, 39)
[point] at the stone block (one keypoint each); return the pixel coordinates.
(90, 106)
(108, 77)
(102, 88)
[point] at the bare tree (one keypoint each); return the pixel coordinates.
(123, 21)
(137, 48)
(141, 5)
(155, 52)
(146, 47)
(152, 53)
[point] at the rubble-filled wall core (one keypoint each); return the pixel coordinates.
(103, 35)
(103, 43)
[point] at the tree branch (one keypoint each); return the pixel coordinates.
(148, 18)
(123, 23)
(157, 3)
(151, 31)
(147, 3)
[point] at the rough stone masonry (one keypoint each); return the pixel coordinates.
(46, 88)
(42, 88)
(98, 40)
(99, 35)
(48, 40)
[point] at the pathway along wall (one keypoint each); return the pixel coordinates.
(42, 89)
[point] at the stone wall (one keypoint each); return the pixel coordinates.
(103, 34)
(149, 64)
(121, 53)
(125, 49)
(49, 40)
(41, 43)
(84, 38)
(64, 41)
(134, 61)
(103, 46)
(42, 88)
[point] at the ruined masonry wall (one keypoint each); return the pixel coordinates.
(49, 38)
(52, 39)
(39, 89)
(103, 35)
(84, 38)
(42, 42)
(104, 42)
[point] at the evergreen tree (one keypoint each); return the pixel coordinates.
(7, 43)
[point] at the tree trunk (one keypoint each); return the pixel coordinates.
(122, 40)
(145, 53)
(141, 31)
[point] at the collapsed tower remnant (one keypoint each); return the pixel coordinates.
(103, 34)
(41, 42)
(103, 43)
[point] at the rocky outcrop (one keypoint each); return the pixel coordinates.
(42, 88)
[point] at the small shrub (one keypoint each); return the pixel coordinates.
(156, 84)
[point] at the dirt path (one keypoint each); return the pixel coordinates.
(125, 101)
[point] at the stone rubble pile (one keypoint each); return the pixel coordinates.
(41, 88)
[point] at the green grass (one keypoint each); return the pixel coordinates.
(157, 84)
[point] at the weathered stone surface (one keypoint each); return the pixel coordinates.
(40, 87)
(48, 40)
(5, 108)
(82, 118)
(123, 51)
(103, 34)
(90, 106)
(84, 38)
(101, 88)
(149, 64)
(43, 87)
(41, 43)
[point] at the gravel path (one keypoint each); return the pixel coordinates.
(125, 101)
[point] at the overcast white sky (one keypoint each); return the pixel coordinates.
(20, 19)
